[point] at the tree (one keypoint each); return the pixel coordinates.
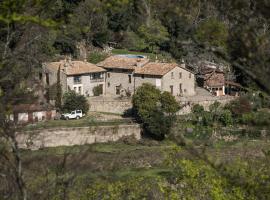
(74, 101)
(155, 34)
(58, 101)
(155, 110)
(213, 32)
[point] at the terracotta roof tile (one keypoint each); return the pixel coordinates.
(154, 68)
(123, 62)
(74, 67)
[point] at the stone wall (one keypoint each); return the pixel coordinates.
(187, 105)
(75, 136)
(110, 105)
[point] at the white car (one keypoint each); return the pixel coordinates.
(75, 114)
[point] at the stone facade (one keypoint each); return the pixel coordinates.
(87, 83)
(118, 81)
(79, 76)
(75, 136)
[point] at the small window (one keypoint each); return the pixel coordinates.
(78, 111)
(109, 84)
(80, 90)
(189, 75)
(108, 75)
(185, 90)
(180, 88)
(180, 75)
(77, 79)
(172, 76)
(117, 90)
(73, 112)
(142, 76)
(171, 87)
(129, 78)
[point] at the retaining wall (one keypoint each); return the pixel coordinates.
(75, 136)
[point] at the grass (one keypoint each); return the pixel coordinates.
(84, 122)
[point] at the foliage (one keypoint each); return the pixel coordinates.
(155, 110)
(58, 101)
(154, 34)
(96, 57)
(74, 101)
(98, 90)
(239, 106)
(133, 42)
(212, 32)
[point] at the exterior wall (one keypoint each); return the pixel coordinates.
(117, 77)
(39, 116)
(52, 78)
(154, 80)
(86, 84)
(188, 84)
(109, 105)
(22, 117)
(75, 136)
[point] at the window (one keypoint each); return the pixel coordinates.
(171, 87)
(77, 79)
(95, 76)
(109, 84)
(108, 75)
(180, 75)
(80, 90)
(189, 75)
(172, 76)
(129, 78)
(142, 76)
(180, 88)
(75, 89)
(117, 90)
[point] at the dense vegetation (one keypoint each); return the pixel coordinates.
(234, 32)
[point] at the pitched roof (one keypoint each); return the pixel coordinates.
(123, 62)
(74, 67)
(210, 70)
(31, 108)
(154, 68)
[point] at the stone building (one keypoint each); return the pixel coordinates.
(169, 77)
(79, 76)
(212, 80)
(125, 73)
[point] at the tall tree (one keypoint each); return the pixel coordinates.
(58, 101)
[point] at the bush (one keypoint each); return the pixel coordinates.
(74, 101)
(96, 57)
(197, 109)
(155, 110)
(226, 117)
(239, 107)
(98, 90)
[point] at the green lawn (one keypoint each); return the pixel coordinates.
(84, 122)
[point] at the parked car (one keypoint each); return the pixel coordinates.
(75, 114)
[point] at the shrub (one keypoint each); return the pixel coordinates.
(239, 106)
(74, 101)
(98, 90)
(155, 110)
(197, 109)
(226, 117)
(96, 57)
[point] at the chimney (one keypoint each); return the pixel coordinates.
(183, 64)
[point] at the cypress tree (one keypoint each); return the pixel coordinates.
(58, 100)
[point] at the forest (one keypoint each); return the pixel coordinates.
(234, 33)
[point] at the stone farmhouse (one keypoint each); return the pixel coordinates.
(212, 80)
(120, 75)
(125, 73)
(79, 76)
